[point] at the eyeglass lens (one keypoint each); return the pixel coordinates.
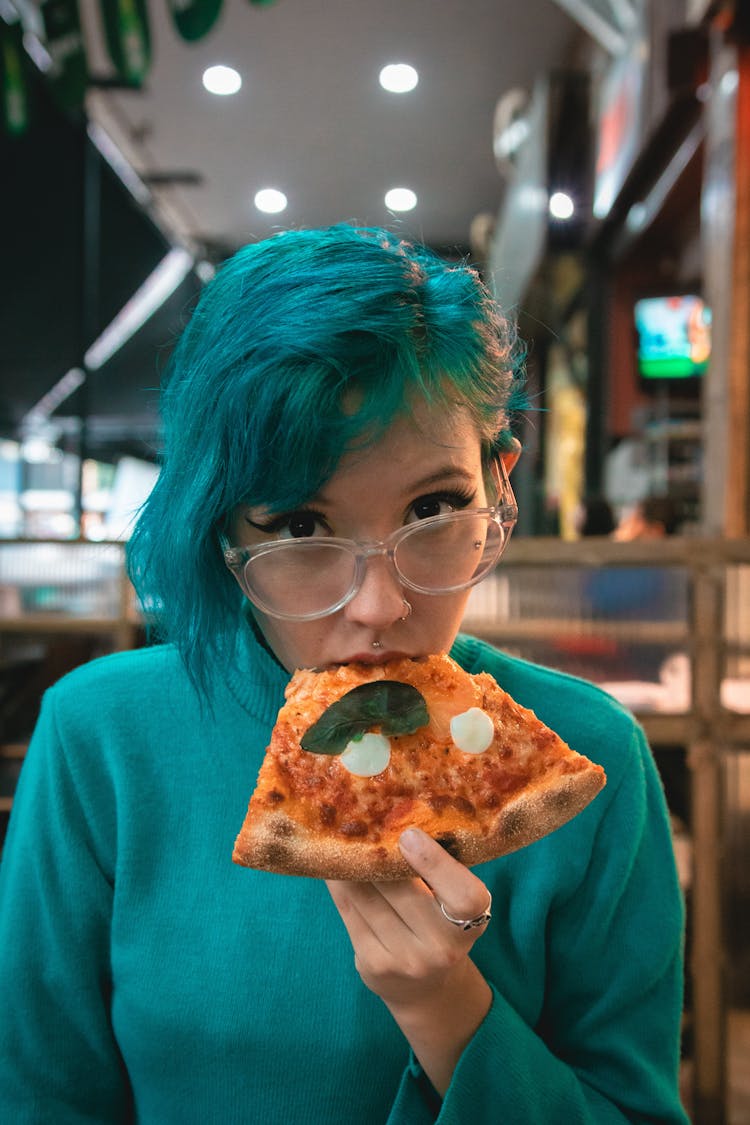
(446, 555)
(302, 578)
(309, 576)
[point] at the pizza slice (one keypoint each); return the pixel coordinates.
(360, 752)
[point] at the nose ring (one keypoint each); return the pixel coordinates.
(407, 612)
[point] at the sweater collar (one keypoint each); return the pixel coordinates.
(253, 675)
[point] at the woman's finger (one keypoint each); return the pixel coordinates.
(389, 912)
(461, 895)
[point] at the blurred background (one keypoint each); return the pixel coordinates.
(591, 158)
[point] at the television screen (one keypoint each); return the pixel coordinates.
(674, 336)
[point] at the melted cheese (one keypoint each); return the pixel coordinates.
(366, 756)
(472, 731)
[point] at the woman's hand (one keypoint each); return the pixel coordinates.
(409, 954)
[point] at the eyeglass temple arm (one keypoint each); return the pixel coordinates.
(505, 497)
(230, 553)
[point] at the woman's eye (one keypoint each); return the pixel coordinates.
(301, 525)
(430, 506)
(292, 525)
(440, 504)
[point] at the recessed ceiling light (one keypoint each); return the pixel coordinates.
(561, 206)
(221, 80)
(270, 200)
(398, 78)
(400, 199)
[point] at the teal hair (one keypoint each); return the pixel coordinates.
(256, 406)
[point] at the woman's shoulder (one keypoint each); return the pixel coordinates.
(127, 665)
(134, 675)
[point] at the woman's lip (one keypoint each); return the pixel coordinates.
(374, 657)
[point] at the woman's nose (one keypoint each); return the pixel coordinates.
(379, 601)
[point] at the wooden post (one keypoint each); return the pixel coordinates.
(725, 222)
(737, 496)
(707, 961)
(707, 814)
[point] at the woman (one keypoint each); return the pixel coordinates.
(334, 383)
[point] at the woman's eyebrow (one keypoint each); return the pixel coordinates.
(441, 475)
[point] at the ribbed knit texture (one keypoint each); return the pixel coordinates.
(145, 977)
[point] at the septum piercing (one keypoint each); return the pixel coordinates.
(407, 605)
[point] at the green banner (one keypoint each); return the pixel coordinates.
(194, 18)
(15, 92)
(68, 74)
(128, 38)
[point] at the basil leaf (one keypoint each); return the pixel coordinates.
(394, 707)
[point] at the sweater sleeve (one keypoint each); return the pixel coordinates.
(58, 1057)
(606, 1046)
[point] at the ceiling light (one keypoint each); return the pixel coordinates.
(398, 78)
(730, 80)
(400, 199)
(106, 148)
(636, 216)
(561, 205)
(221, 80)
(147, 299)
(205, 271)
(270, 200)
(55, 396)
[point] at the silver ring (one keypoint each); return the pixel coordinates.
(470, 923)
(407, 606)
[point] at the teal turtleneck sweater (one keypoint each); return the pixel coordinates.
(146, 978)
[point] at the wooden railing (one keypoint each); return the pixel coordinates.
(705, 727)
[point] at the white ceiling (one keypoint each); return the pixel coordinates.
(312, 120)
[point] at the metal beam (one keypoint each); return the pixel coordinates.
(610, 38)
(624, 13)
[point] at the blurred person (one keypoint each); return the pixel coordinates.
(655, 517)
(594, 517)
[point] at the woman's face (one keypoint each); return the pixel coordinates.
(426, 463)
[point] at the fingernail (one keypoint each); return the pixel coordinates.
(410, 839)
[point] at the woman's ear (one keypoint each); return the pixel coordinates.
(510, 456)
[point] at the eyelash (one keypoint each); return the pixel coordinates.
(458, 500)
(284, 519)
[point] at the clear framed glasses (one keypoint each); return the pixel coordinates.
(307, 578)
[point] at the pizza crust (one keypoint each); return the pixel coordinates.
(286, 847)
